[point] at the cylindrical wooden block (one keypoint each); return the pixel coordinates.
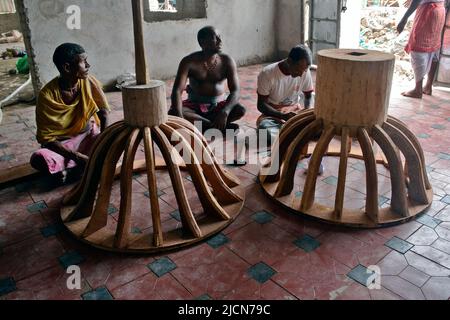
(145, 105)
(353, 87)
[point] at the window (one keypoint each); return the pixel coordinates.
(7, 6)
(162, 10)
(162, 5)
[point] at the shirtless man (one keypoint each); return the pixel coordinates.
(207, 71)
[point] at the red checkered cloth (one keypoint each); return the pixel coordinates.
(427, 28)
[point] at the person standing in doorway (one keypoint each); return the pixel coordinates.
(424, 42)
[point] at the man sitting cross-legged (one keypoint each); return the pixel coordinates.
(70, 113)
(207, 71)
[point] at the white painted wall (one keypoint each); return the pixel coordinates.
(288, 25)
(247, 27)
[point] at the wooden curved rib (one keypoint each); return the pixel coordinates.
(187, 217)
(302, 114)
(340, 189)
(415, 142)
(126, 179)
(208, 201)
(289, 166)
(74, 195)
(229, 179)
(313, 168)
(85, 202)
(152, 187)
(399, 202)
(279, 149)
(99, 218)
(224, 193)
(416, 188)
(371, 174)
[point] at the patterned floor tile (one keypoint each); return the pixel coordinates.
(32, 260)
(36, 207)
(7, 285)
(52, 230)
(162, 266)
(261, 272)
(204, 297)
(70, 259)
(402, 287)
(399, 245)
(416, 277)
(307, 243)
(428, 221)
(437, 288)
(263, 217)
(362, 275)
(98, 294)
(218, 241)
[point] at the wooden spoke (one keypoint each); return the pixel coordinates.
(340, 191)
(287, 135)
(229, 179)
(123, 225)
(294, 120)
(371, 174)
(399, 201)
(209, 202)
(293, 155)
(152, 187)
(417, 189)
(404, 129)
(313, 168)
(224, 193)
(99, 218)
(87, 198)
(186, 213)
(74, 195)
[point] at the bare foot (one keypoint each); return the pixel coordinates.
(412, 94)
(427, 91)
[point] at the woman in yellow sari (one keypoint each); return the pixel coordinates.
(71, 111)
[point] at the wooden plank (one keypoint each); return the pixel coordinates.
(99, 218)
(340, 190)
(372, 210)
(126, 179)
(18, 172)
(153, 189)
(399, 201)
(187, 216)
(313, 168)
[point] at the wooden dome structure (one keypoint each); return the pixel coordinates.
(85, 210)
(353, 91)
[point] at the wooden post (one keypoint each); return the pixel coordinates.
(145, 104)
(142, 75)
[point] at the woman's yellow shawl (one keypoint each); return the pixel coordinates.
(56, 120)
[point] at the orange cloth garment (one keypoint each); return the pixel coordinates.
(56, 120)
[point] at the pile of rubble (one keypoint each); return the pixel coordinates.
(379, 32)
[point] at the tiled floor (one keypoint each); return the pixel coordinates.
(266, 253)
